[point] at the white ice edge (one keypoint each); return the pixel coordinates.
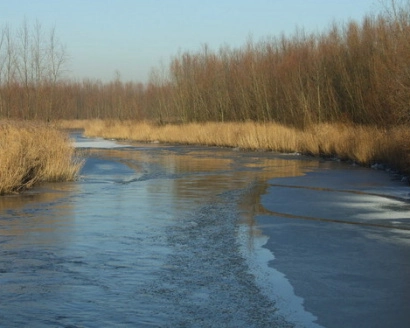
(274, 283)
(98, 143)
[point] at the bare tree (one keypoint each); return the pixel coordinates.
(56, 56)
(23, 54)
(37, 54)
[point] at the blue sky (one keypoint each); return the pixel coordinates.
(133, 36)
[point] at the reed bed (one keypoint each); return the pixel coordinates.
(364, 145)
(34, 152)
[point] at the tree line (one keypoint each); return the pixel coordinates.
(357, 72)
(31, 60)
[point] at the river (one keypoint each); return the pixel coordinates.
(155, 235)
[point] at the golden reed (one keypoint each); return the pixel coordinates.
(34, 152)
(362, 144)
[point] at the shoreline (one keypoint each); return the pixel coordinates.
(367, 146)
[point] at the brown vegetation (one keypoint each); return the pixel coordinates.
(362, 144)
(343, 92)
(355, 72)
(32, 153)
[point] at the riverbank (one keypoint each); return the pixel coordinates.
(34, 152)
(365, 145)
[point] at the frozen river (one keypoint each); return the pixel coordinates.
(177, 236)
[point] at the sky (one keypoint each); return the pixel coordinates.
(131, 37)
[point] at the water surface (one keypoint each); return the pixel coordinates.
(172, 236)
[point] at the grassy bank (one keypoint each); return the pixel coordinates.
(363, 144)
(343, 92)
(32, 153)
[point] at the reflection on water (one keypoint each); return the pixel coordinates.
(148, 236)
(34, 217)
(210, 171)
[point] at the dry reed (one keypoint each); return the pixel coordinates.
(363, 144)
(32, 153)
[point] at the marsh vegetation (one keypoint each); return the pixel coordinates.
(32, 153)
(342, 92)
(363, 144)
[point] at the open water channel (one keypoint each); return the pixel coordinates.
(158, 235)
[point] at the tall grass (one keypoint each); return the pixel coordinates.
(32, 153)
(362, 144)
(344, 91)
